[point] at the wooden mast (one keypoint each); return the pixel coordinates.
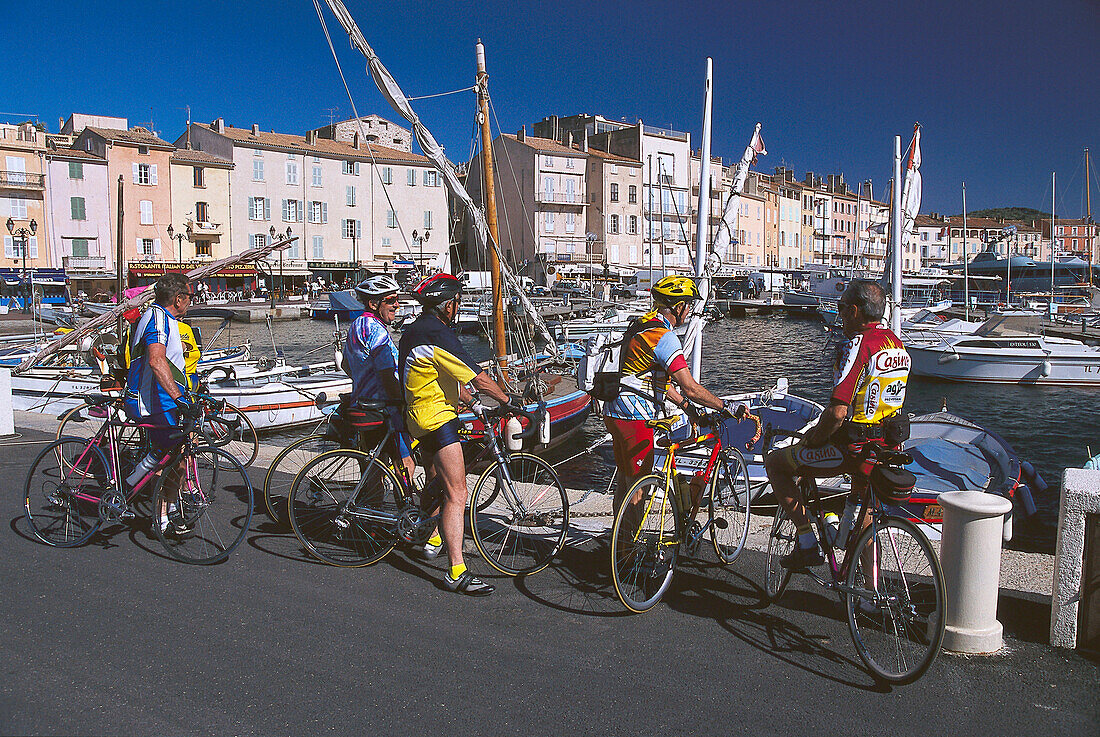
(1090, 237)
(490, 207)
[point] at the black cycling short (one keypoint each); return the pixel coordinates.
(444, 435)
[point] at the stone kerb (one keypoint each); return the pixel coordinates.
(1080, 497)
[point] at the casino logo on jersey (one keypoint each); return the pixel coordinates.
(891, 361)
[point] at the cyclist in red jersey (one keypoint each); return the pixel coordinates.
(869, 380)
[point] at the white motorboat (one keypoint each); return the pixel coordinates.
(1003, 350)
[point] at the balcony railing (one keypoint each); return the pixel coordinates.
(21, 180)
(84, 263)
(560, 198)
(203, 226)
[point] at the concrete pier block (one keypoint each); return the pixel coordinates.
(1080, 497)
(970, 555)
(7, 413)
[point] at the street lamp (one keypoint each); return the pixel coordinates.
(179, 241)
(24, 235)
(420, 240)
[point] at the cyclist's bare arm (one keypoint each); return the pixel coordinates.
(158, 362)
(831, 420)
(695, 391)
(487, 385)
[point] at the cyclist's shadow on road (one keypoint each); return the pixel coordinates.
(738, 604)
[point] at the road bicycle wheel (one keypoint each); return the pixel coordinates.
(729, 505)
(62, 492)
(780, 543)
(207, 499)
(645, 540)
(344, 508)
(897, 627)
(519, 514)
(232, 431)
(286, 466)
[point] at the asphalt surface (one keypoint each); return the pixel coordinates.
(116, 638)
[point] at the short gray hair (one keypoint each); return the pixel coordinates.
(868, 297)
(170, 286)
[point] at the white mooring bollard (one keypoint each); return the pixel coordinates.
(7, 415)
(970, 555)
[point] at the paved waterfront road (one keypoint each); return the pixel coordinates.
(113, 638)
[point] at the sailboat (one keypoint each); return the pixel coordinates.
(542, 377)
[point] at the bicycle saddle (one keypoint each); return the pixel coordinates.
(893, 457)
(96, 399)
(662, 423)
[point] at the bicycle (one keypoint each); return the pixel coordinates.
(886, 573)
(76, 485)
(350, 508)
(651, 529)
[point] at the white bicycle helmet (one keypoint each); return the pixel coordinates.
(376, 287)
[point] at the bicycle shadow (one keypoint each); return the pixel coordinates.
(103, 538)
(739, 606)
(578, 581)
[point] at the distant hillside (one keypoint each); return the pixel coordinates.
(1010, 213)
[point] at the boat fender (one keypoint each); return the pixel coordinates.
(512, 430)
(1035, 479)
(339, 360)
(1045, 368)
(1006, 529)
(947, 358)
(544, 429)
(1023, 496)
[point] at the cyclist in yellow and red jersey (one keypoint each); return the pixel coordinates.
(652, 360)
(869, 379)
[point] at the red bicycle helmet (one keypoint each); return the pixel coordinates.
(437, 289)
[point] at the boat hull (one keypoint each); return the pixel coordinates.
(1007, 366)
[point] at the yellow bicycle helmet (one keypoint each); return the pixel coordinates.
(673, 289)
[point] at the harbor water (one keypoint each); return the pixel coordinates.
(1049, 426)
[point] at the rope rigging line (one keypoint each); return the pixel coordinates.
(362, 132)
(441, 94)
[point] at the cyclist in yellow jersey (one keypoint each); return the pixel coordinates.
(868, 388)
(192, 352)
(435, 369)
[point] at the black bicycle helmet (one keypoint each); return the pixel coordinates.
(437, 289)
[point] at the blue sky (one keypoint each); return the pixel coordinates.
(1006, 91)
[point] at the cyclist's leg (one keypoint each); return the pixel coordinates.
(782, 466)
(450, 466)
(632, 443)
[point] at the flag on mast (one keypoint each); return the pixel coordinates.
(911, 194)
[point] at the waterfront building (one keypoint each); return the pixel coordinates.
(200, 206)
(374, 128)
(1076, 236)
(351, 204)
(23, 199)
(142, 161)
(79, 217)
(932, 238)
(874, 237)
(1030, 238)
(542, 202)
(749, 251)
(614, 214)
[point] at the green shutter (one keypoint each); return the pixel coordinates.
(76, 204)
(76, 170)
(80, 247)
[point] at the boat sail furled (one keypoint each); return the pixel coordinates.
(389, 88)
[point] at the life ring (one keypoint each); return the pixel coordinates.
(840, 286)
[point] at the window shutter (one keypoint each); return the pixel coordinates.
(135, 173)
(74, 210)
(412, 177)
(153, 174)
(9, 247)
(33, 250)
(358, 229)
(267, 209)
(140, 250)
(324, 212)
(156, 246)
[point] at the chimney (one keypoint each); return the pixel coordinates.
(255, 130)
(311, 138)
(355, 140)
(219, 125)
(521, 134)
(569, 139)
(584, 139)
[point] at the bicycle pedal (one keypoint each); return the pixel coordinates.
(128, 515)
(721, 523)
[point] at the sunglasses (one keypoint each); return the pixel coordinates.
(392, 300)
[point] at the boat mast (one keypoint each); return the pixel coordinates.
(702, 225)
(1053, 240)
(1088, 214)
(966, 262)
(896, 239)
(490, 207)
